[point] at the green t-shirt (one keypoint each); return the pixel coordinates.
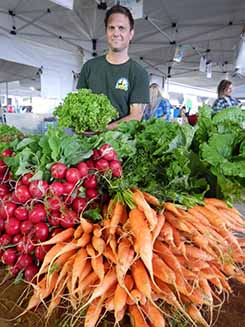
(124, 84)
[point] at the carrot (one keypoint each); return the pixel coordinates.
(109, 255)
(124, 260)
(154, 315)
(49, 257)
(136, 316)
(212, 214)
(195, 314)
(197, 214)
(120, 297)
(216, 203)
(109, 280)
(143, 240)
(86, 270)
(93, 312)
(143, 206)
(98, 244)
(78, 232)
(167, 255)
(162, 271)
(41, 292)
(67, 267)
(141, 278)
(137, 297)
(116, 217)
(156, 231)
(66, 248)
(167, 233)
(151, 199)
(78, 266)
(96, 262)
(86, 225)
(113, 244)
(63, 236)
(83, 240)
(194, 252)
(88, 281)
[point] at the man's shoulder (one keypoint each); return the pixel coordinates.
(95, 61)
(137, 66)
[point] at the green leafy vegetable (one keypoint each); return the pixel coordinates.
(85, 111)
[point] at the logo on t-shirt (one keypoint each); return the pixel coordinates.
(122, 84)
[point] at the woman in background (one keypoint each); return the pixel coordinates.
(225, 100)
(159, 106)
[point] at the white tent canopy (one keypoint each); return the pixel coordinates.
(44, 34)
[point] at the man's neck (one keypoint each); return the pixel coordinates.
(117, 58)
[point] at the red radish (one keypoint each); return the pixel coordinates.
(107, 152)
(37, 213)
(7, 209)
(92, 193)
(96, 155)
(102, 165)
(90, 164)
(17, 238)
(53, 204)
(2, 223)
(73, 175)
(58, 170)
(41, 231)
(40, 251)
(22, 193)
(25, 245)
(79, 204)
(4, 190)
(25, 179)
(68, 219)
(12, 226)
(68, 188)
(21, 213)
(25, 227)
(116, 168)
(14, 270)
(83, 169)
(5, 239)
(56, 188)
(54, 218)
(30, 272)
(24, 261)
(38, 188)
(90, 181)
(9, 257)
(7, 153)
(3, 168)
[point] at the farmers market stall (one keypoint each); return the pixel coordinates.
(134, 225)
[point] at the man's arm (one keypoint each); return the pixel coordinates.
(136, 113)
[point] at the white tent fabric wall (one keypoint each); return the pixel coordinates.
(56, 65)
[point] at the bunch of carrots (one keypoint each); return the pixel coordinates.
(147, 262)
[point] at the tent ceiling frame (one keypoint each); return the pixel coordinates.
(44, 13)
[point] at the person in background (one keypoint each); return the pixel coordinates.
(159, 107)
(120, 78)
(225, 100)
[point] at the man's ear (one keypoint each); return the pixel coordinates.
(131, 34)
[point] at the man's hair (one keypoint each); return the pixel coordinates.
(117, 9)
(222, 86)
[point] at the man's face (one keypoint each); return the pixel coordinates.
(118, 32)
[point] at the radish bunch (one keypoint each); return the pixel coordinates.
(33, 211)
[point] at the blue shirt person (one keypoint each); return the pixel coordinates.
(159, 107)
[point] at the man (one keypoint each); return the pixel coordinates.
(122, 79)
